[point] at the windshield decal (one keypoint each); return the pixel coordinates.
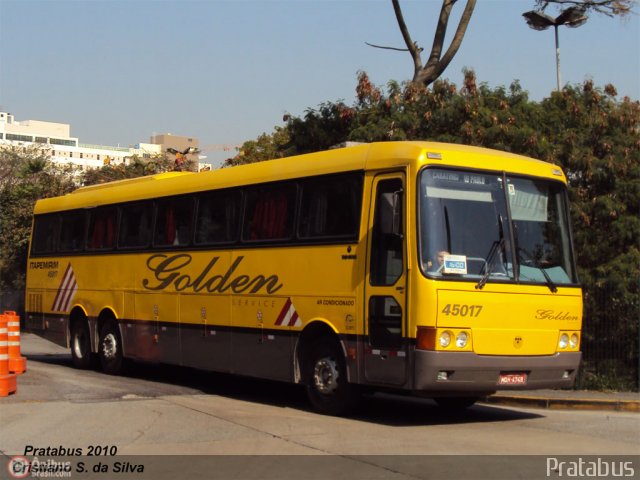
(455, 264)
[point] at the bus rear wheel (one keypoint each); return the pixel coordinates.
(327, 387)
(110, 349)
(81, 345)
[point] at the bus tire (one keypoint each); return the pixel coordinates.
(327, 387)
(455, 404)
(110, 349)
(81, 355)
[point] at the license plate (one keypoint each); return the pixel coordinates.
(513, 379)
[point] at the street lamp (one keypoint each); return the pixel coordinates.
(571, 17)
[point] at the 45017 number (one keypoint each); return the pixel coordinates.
(461, 310)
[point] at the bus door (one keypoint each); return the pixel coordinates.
(385, 357)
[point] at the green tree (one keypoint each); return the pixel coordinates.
(597, 141)
(26, 175)
(135, 167)
(265, 147)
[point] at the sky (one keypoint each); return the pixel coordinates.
(227, 71)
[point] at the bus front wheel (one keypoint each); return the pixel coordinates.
(110, 349)
(327, 387)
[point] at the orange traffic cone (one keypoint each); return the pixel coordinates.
(17, 363)
(8, 384)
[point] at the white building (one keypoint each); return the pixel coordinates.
(56, 141)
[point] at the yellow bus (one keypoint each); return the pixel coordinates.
(440, 270)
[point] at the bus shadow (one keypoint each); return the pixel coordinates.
(403, 411)
(256, 390)
(381, 408)
(63, 359)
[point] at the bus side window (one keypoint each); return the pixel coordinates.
(173, 222)
(386, 248)
(135, 225)
(45, 234)
(72, 231)
(102, 228)
(269, 213)
(330, 207)
(217, 219)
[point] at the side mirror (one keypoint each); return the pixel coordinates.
(391, 213)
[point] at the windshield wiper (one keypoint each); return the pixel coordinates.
(532, 260)
(448, 227)
(495, 246)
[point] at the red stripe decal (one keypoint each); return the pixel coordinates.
(60, 288)
(283, 312)
(294, 317)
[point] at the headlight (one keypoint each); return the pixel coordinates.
(445, 339)
(461, 340)
(573, 343)
(564, 341)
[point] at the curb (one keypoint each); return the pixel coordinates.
(564, 403)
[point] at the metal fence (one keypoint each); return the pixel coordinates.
(610, 343)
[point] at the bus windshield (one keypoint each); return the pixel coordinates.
(469, 232)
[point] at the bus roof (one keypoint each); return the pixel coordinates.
(369, 156)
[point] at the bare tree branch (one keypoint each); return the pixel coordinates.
(388, 48)
(411, 45)
(610, 8)
(441, 31)
(438, 63)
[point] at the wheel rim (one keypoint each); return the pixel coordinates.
(325, 375)
(109, 346)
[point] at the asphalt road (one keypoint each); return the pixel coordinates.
(159, 410)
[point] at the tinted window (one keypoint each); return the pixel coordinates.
(331, 207)
(385, 322)
(102, 228)
(541, 224)
(217, 220)
(72, 228)
(464, 218)
(174, 222)
(135, 225)
(386, 248)
(45, 233)
(269, 213)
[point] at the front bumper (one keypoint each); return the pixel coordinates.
(468, 372)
